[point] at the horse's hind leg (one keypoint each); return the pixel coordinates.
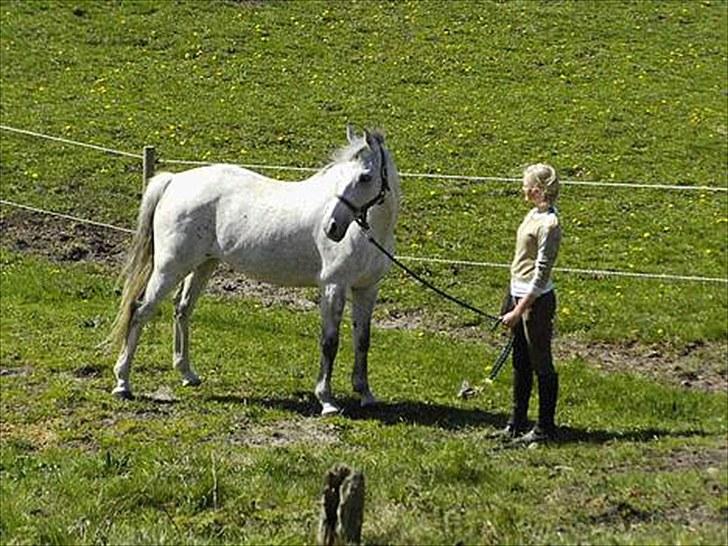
(184, 303)
(158, 286)
(333, 298)
(363, 300)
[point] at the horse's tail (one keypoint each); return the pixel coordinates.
(140, 261)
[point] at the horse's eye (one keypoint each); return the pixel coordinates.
(365, 178)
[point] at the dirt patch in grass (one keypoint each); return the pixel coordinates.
(33, 436)
(709, 460)
(622, 513)
(625, 514)
(60, 239)
(310, 430)
(226, 281)
(695, 365)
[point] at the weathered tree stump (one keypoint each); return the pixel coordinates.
(342, 507)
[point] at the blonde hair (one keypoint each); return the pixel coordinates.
(543, 176)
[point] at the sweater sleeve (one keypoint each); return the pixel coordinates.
(549, 239)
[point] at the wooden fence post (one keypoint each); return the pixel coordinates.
(342, 507)
(148, 161)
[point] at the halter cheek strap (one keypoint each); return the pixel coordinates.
(360, 213)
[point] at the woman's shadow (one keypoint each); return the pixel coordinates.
(443, 417)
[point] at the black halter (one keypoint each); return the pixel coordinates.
(360, 213)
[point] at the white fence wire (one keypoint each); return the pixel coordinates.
(596, 273)
(71, 142)
(404, 174)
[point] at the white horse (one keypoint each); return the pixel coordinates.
(288, 233)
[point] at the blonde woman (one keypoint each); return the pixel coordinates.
(530, 307)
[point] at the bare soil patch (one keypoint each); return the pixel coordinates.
(61, 240)
(708, 463)
(708, 460)
(695, 365)
(310, 430)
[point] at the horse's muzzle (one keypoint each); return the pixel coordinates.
(334, 230)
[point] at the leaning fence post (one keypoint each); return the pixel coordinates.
(149, 158)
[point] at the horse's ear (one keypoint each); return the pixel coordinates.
(371, 139)
(350, 133)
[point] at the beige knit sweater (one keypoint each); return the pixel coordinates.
(537, 245)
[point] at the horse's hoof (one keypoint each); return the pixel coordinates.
(367, 399)
(328, 409)
(121, 393)
(191, 381)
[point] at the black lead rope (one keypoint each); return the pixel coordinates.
(503, 356)
(501, 360)
(427, 283)
(360, 217)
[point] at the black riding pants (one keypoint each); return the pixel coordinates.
(533, 335)
(532, 354)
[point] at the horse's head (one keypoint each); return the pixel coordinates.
(363, 182)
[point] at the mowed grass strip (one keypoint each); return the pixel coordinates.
(241, 459)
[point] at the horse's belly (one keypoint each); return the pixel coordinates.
(269, 239)
(283, 263)
(271, 273)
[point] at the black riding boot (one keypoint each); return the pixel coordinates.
(548, 393)
(545, 429)
(518, 422)
(522, 384)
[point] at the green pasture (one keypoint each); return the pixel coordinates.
(635, 92)
(241, 459)
(606, 91)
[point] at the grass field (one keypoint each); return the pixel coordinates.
(639, 463)
(635, 92)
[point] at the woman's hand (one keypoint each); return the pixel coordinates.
(511, 318)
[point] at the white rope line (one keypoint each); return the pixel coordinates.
(433, 176)
(639, 185)
(66, 216)
(593, 272)
(643, 186)
(72, 142)
(453, 262)
(657, 276)
(467, 178)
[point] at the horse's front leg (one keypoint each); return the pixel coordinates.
(363, 300)
(333, 297)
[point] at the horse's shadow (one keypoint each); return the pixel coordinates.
(443, 417)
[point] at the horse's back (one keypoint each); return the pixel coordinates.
(263, 227)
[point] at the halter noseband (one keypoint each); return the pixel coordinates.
(360, 213)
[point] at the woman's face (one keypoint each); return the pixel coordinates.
(531, 192)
